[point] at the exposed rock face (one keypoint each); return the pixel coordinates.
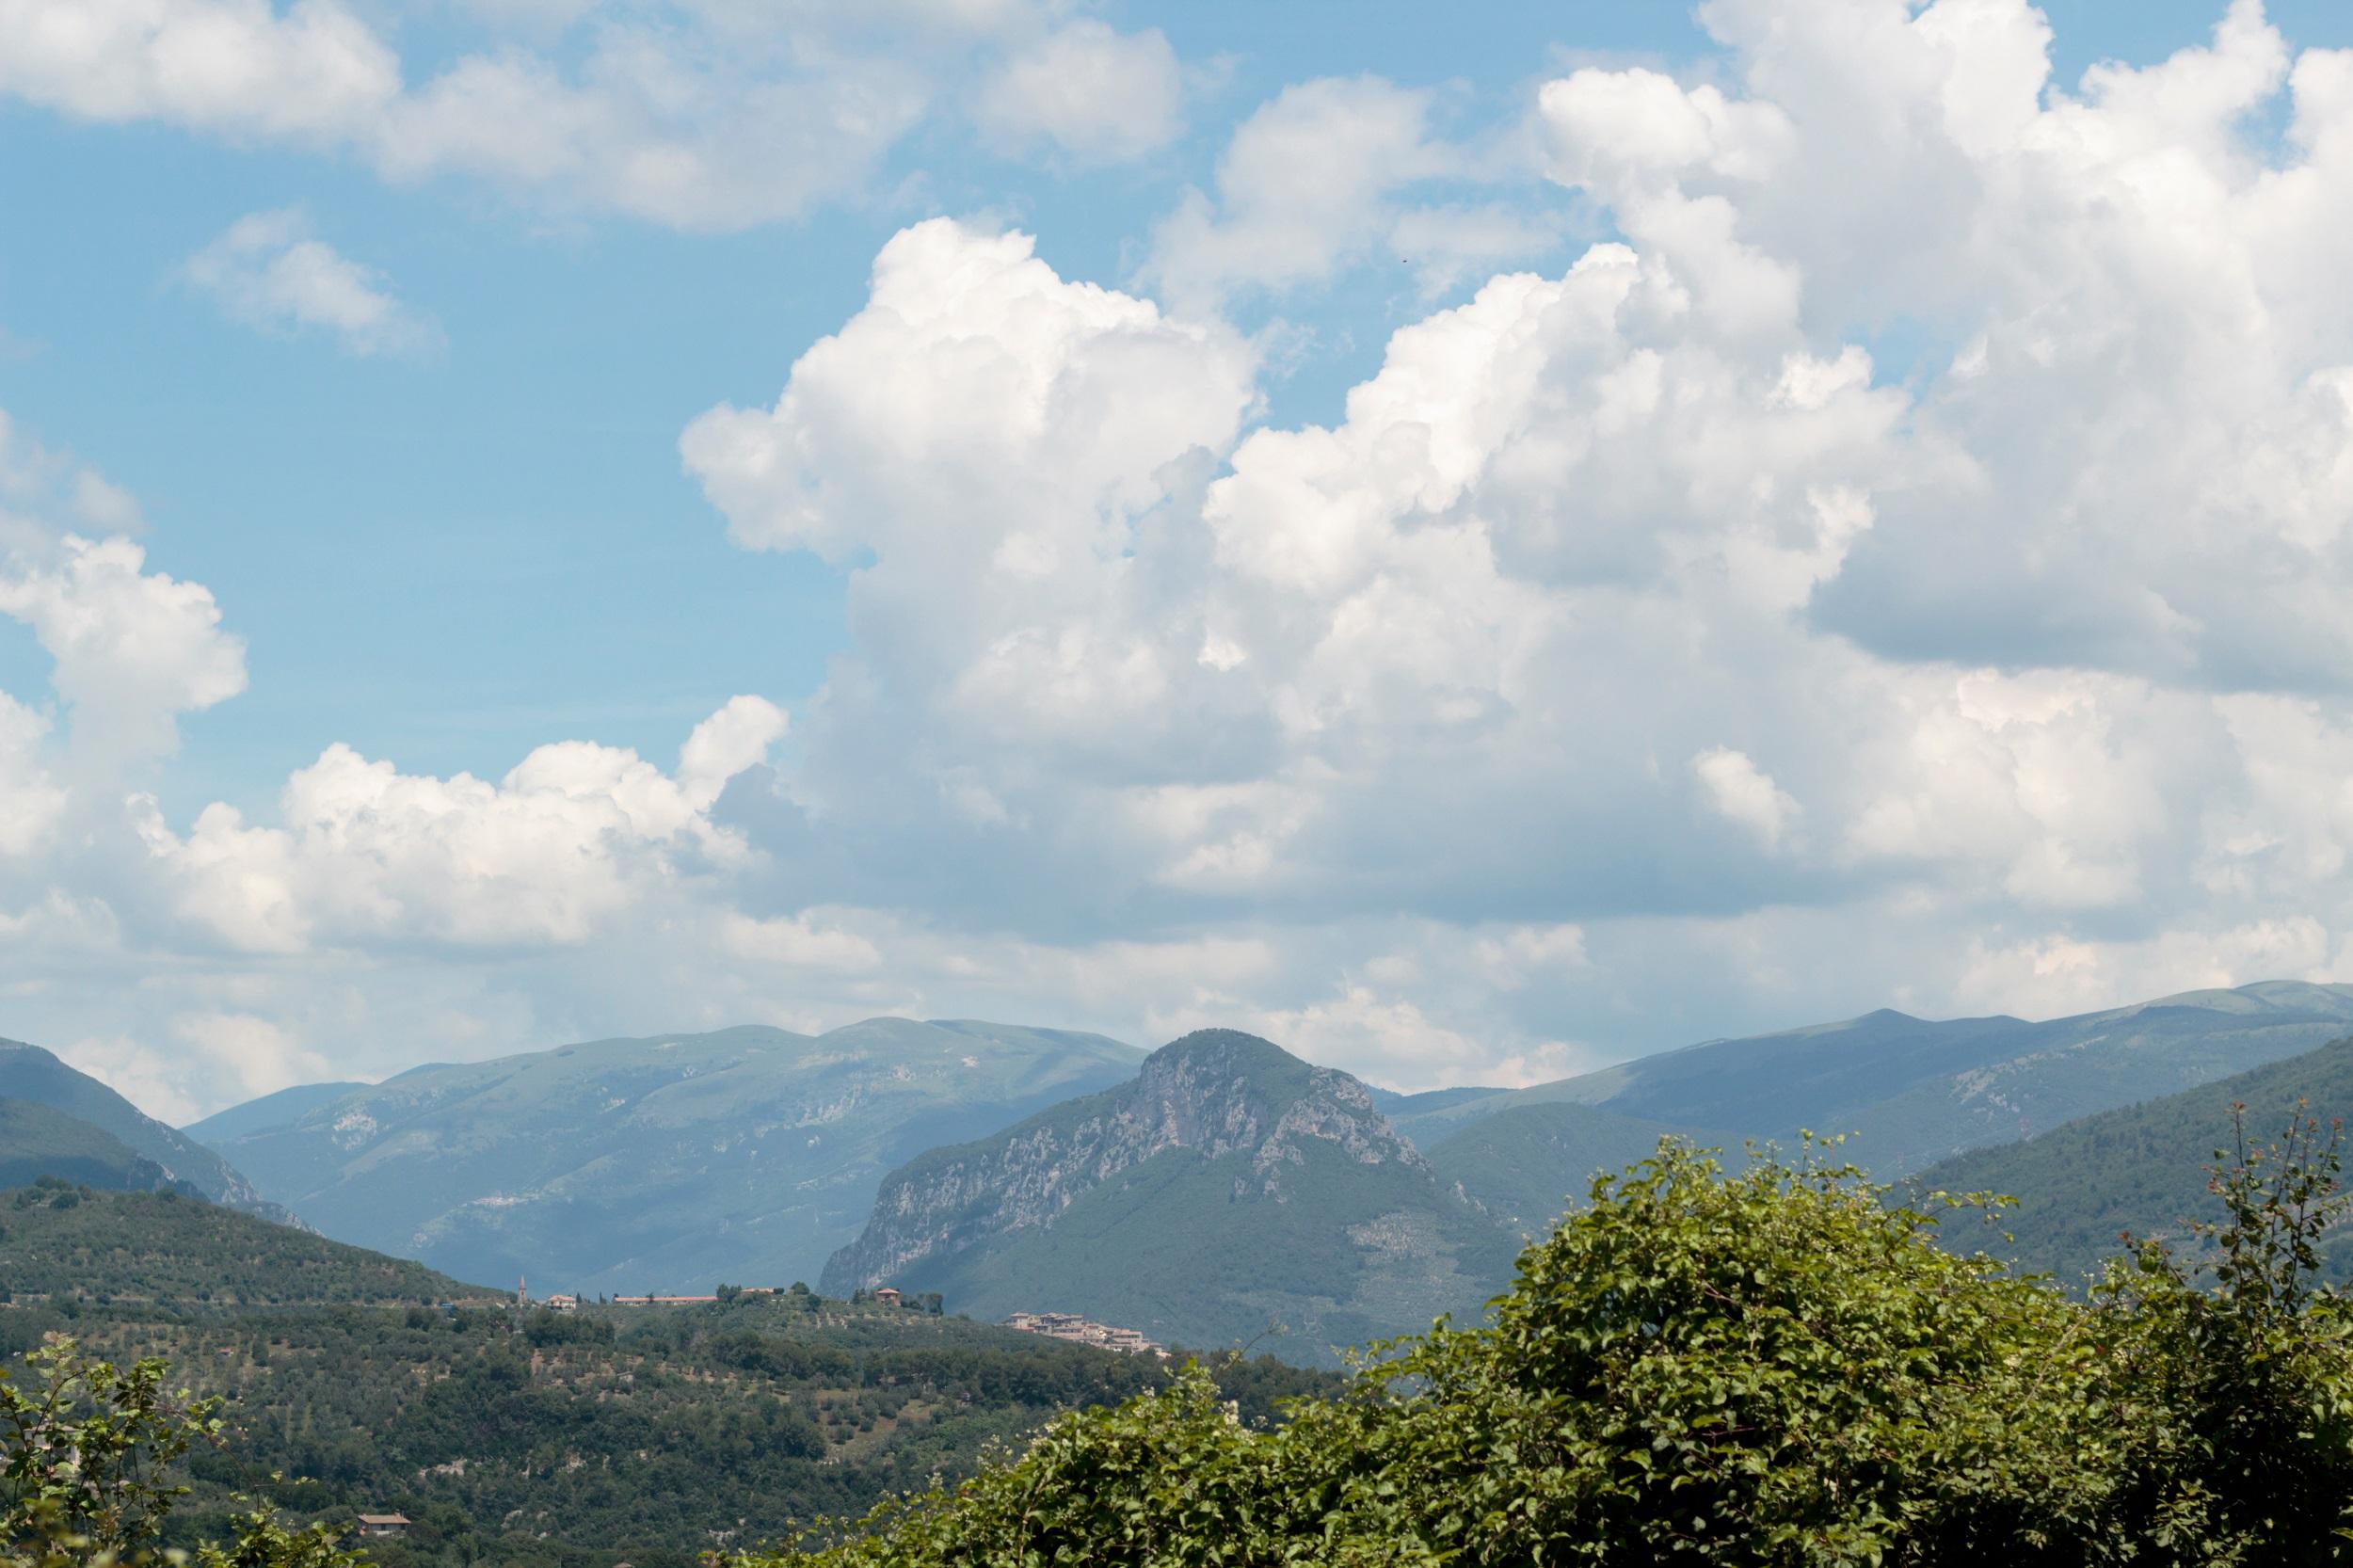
(1268, 1129)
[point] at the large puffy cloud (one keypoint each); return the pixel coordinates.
(1641, 595)
(570, 837)
(133, 649)
(696, 114)
(1895, 566)
(1318, 176)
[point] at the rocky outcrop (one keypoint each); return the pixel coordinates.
(1218, 1094)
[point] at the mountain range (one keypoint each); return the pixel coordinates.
(670, 1163)
(1200, 1194)
(1231, 1185)
(1915, 1091)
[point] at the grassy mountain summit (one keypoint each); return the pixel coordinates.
(33, 1076)
(665, 1164)
(1228, 1187)
(2140, 1168)
(1919, 1090)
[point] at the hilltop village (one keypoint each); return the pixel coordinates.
(1068, 1326)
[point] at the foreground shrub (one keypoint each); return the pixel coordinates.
(83, 1455)
(1770, 1365)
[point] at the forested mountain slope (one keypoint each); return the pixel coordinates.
(60, 1244)
(2140, 1168)
(1230, 1188)
(32, 1075)
(37, 1140)
(663, 1164)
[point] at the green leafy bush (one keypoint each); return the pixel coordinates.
(1774, 1365)
(83, 1455)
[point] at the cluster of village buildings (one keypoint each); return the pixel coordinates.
(1082, 1330)
(1054, 1325)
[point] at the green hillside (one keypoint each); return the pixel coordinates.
(1230, 1189)
(37, 1141)
(645, 1435)
(33, 1075)
(663, 1164)
(62, 1243)
(282, 1109)
(2140, 1168)
(1919, 1090)
(1530, 1163)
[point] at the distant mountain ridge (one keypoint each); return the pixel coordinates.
(37, 1141)
(1228, 1187)
(2140, 1168)
(36, 1076)
(664, 1163)
(271, 1111)
(1917, 1090)
(1528, 1164)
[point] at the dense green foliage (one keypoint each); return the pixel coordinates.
(572, 1440)
(1773, 1365)
(83, 1451)
(68, 1245)
(2081, 1186)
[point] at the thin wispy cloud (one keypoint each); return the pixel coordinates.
(268, 271)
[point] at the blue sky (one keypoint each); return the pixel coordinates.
(444, 562)
(1487, 821)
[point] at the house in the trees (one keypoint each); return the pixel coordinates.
(382, 1525)
(887, 1295)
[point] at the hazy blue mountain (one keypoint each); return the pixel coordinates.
(1397, 1106)
(666, 1163)
(37, 1141)
(1228, 1187)
(32, 1075)
(270, 1111)
(2141, 1168)
(1527, 1164)
(1918, 1089)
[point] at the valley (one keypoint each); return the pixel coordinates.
(355, 1383)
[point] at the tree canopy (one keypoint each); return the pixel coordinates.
(1770, 1363)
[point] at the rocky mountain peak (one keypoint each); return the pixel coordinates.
(1217, 1094)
